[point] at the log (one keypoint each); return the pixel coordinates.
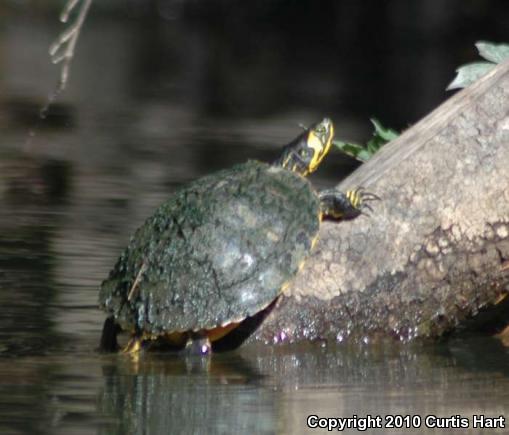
(434, 253)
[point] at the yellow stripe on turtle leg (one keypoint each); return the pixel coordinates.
(133, 346)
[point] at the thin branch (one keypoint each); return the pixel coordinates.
(134, 287)
(62, 50)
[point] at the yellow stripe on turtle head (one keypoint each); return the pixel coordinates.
(305, 153)
(320, 141)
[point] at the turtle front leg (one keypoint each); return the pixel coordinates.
(337, 205)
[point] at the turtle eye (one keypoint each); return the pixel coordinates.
(320, 129)
(304, 153)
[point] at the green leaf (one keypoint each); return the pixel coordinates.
(495, 53)
(351, 149)
(468, 74)
(381, 136)
(364, 156)
(386, 134)
(373, 146)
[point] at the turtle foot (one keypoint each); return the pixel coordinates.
(198, 346)
(134, 346)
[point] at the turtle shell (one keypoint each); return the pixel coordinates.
(218, 251)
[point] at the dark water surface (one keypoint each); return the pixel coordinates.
(150, 106)
(74, 390)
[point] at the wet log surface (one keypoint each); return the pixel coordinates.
(434, 253)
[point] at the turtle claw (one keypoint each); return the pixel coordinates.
(364, 207)
(360, 197)
(366, 194)
(369, 196)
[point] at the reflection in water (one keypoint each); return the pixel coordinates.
(157, 394)
(155, 104)
(257, 390)
(32, 196)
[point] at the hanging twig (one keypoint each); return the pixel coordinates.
(62, 50)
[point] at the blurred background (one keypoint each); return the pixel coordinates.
(164, 91)
(258, 61)
(219, 77)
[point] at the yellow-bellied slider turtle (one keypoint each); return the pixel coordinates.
(220, 250)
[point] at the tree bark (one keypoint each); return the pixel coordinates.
(434, 252)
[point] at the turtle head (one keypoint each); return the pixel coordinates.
(305, 153)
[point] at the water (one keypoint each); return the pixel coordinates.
(141, 116)
(259, 390)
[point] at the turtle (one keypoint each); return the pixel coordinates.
(207, 266)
